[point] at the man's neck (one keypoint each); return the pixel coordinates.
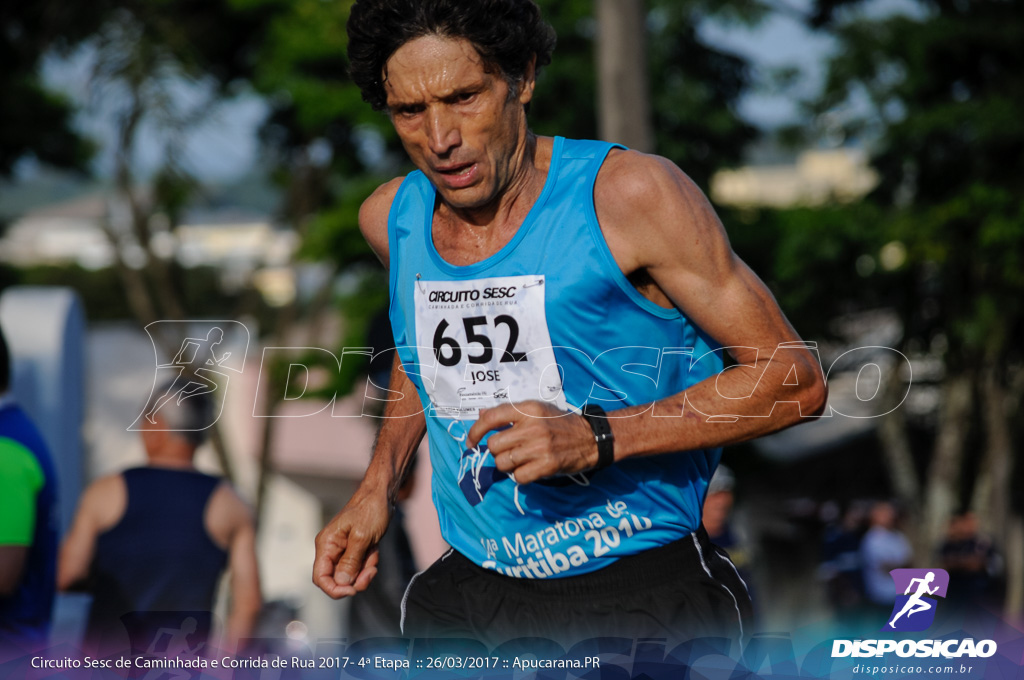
(171, 462)
(464, 236)
(171, 465)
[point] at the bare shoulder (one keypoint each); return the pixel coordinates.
(637, 175)
(373, 217)
(650, 210)
(225, 501)
(104, 502)
(226, 514)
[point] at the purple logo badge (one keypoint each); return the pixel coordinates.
(914, 609)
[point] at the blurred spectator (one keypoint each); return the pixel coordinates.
(717, 519)
(154, 540)
(718, 504)
(841, 568)
(883, 549)
(28, 522)
(973, 564)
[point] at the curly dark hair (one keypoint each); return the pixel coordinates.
(506, 33)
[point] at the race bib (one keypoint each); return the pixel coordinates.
(488, 342)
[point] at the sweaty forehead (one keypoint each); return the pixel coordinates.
(431, 67)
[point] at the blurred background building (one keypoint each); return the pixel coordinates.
(817, 178)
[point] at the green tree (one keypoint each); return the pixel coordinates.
(34, 120)
(144, 53)
(936, 94)
(695, 86)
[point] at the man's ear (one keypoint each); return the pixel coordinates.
(529, 81)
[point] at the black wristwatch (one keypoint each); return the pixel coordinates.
(598, 420)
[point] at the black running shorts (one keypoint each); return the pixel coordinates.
(680, 591)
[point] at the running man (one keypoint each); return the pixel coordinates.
(177, 646)
(563, 305)
(915, 604)
(190, 382)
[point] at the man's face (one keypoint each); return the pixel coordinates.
(456, 121)
(884, 515)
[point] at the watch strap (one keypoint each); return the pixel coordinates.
(602, 429)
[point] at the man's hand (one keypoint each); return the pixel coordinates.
(346, 549)
(542, 441)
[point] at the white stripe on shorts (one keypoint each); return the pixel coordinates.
(735, 602)
(405, 596)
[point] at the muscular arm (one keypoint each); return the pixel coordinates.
(101, 507)
(246, 600)
(660, 222)
(229, 522)
(346, 553)
(401, 432)
(404, 425)
(657, 223)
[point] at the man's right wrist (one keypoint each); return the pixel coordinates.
(377, 487)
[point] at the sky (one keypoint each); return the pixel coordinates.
(777, 42)
(780, 41)
(224, 146)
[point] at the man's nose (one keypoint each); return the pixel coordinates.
(442, 132)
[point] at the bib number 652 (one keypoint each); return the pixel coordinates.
(449, 352)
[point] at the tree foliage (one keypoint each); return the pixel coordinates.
(936, 94)
(696, 88)
(939, 94)
(33, 120)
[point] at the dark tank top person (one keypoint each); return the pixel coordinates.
(150, 545)
(159, 557)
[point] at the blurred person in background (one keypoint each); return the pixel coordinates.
(717, 519)
(155, 539)
(883, 549)
(972, 561)
(841, 568)
(28, 523)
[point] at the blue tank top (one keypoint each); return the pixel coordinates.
(159, 557)
(550, 316)
(25, 615)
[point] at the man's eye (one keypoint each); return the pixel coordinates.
(466, 96)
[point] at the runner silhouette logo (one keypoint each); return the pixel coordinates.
(192, 358)
(914, 609)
